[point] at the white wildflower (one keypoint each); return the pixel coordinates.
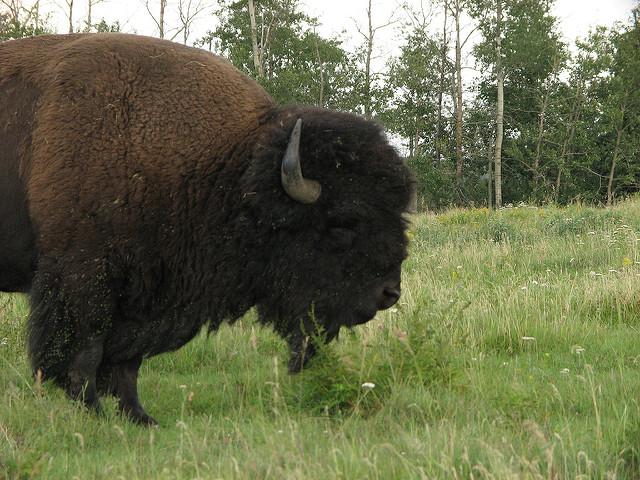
(577, 349)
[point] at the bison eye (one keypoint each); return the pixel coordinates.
(341, 238)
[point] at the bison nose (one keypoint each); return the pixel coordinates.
(389, 297)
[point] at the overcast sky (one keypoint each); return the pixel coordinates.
(576, 17)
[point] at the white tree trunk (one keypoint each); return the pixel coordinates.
(614, 159)
(459, 105)
(499, 107)
(257, 60)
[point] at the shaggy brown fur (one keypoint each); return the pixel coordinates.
(140, 199)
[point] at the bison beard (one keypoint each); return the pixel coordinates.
(149, 189)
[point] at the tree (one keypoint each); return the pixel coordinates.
(578, 139)
(258, 52)
(188, 11)
(159, 21)
(412, 112)
(443, 68)
(368, 35)
(415, 99)
(89, 21)
(103, 27)
(499, 106)
(457, 9)
(289, 58)
(69, 13)
(623, 112)
(528, 65)
(21, 20)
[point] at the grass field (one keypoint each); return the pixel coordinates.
(514, 353)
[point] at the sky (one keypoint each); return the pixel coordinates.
(576, 17)
(340, 17)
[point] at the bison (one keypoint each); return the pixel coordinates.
(149, 189)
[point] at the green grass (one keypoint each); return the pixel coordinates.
(514, 353)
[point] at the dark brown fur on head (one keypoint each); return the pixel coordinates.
(146, 185)
(333, 254)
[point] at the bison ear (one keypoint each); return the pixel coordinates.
(297, 187)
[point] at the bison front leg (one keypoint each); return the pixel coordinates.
(125, 386)
(81, 374)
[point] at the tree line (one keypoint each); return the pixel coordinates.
(539, 121)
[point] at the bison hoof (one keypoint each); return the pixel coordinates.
(139, 416)
(143, 419)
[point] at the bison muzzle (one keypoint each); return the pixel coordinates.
(149, 189)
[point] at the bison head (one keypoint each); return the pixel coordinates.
(328, 194)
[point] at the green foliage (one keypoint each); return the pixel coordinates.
(411, 79)
(103, 27)
(15, 27)
(343, 384)
(435, 182)
(532, 57)
(300, 66)
(563, 114)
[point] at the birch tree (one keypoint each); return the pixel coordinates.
(368, 35)
(499, 107)
(277, 44)
(160, 19)
(88, 23)
(188, 11)
(257, 50)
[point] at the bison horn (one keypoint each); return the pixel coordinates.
(297, 187)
